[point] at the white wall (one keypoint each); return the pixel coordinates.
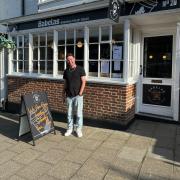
(31, 7)
(10, 8)
(47, 5)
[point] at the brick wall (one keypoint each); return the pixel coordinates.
(101, 101)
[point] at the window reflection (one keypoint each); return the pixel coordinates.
(158, 57)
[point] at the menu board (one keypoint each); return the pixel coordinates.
(35, 109)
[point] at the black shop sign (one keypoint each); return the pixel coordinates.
(35, 115)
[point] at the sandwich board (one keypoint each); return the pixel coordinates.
(35, 117)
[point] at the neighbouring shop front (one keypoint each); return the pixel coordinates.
(132, 65)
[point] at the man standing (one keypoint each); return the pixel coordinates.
(74, 84)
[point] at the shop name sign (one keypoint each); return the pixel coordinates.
(58, 21)
(64, 19)
(144, 6)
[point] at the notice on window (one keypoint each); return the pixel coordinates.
(117, 52)
(104, 67)
(117, 65)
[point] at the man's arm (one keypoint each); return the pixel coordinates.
(64, 91)
(83, 84)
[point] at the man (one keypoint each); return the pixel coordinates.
(74, 84)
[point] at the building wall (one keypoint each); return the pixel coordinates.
(46, 5)
(31, 7)
(10, 9)
(101, 101)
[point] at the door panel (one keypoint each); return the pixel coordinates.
(156, 79)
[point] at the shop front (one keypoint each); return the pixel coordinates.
(132, 65)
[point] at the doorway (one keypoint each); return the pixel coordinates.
(156, 76)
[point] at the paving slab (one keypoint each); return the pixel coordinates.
(64, 170)
(155, 167)
(161, 154)
(34, 170)
(105, 154)
(9, 168)
(89, 144)
(27, 156)
(132, 154)
(15, 177)
(53, 156)
(6, 156)
(94, 168)
(78, 155)
(123, 169)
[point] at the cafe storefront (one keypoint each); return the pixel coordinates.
(132, 65)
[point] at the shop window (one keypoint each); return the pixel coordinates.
(106, 51)
(70, 41)
(21, 54)
(43, 53)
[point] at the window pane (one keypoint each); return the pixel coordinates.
(93, 35)
(26, 53)
(80, 63)
(26, 41)
(105, 51)
(35, 40)
(61, 37)
(79, 37)
(61, 67)
(105, 31)
(14, 66)
(80, 53)
(117, 33)
(42, 39)
(70, 49)
(49, 53)
(26, 66)
(49, 67)
(117, 69)
(61, 52)
(158, 57)
(42, 67)
(105, 69)
(50, 38)
(20, 66)
(35, 66)
(42, 53)
(20, 54)
(20, 41)
(93, 68)
(93, 51)
(70, 37)
(35, 54)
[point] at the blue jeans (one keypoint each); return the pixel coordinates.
(75, 108)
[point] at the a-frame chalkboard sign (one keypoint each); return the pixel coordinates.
(35, 116)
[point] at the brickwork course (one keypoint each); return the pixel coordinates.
(101, 101)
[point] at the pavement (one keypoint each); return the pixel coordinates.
(146, 150)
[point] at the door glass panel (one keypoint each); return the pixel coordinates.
(157, 94)
(158, 57)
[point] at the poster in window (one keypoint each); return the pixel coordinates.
(117, 52)
(104, 67)
(117, 65)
